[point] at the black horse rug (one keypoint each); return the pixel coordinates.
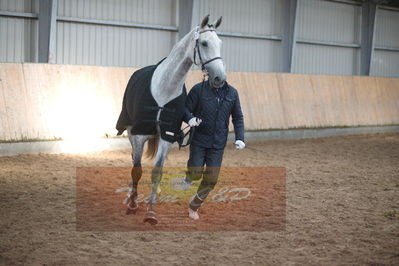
(139, 108)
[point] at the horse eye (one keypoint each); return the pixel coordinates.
(205, 44)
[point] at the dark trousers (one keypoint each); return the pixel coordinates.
(200, 157)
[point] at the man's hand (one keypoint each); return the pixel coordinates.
(194, 122)
(240, 144)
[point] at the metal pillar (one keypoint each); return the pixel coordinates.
(188, 16)
(289, 35)
(47, 30)
(195, 15)
(369, 9)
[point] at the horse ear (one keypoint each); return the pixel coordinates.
(217, 24)
(205, 21)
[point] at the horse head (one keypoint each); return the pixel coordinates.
(207, 52)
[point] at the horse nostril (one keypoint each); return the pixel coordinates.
(217, 79)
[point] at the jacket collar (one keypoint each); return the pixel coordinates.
(225, 86)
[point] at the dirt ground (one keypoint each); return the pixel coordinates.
(342, 208)
(245, 199)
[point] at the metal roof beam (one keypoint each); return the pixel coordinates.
(390, 8)
(345, 2)
(249, 36)
(116, 23)
(324, 43)
(18, 14)
(387, 48)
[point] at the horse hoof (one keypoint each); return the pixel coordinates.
(150, 218)
(131, 211)
(132, 208)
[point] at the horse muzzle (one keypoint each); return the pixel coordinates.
(218, 81)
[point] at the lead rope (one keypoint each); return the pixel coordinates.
(192, 129)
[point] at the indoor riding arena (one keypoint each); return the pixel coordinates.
(316, 184)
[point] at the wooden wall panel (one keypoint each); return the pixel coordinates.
(14, 102)
(388, 105)
(43, 101)
(4, 123)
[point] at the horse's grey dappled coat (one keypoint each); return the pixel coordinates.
(139, 108)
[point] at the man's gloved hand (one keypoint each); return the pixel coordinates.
(240, 144)
(194, 122)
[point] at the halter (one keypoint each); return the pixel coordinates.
(199, 52)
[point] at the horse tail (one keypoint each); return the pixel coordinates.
(152, 147)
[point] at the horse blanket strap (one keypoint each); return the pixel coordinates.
(160, 108)
(157, 122)
(140, 110)
(181, 138)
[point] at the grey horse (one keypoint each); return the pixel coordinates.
(201, 46)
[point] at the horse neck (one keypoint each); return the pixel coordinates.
(169, 76)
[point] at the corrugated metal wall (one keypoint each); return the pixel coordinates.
(343, 23)
(320, 59)
(18, 36)
(160, 12)
(265, 15)
(90, 44)
(386, 63)
(317, 21)
(251, 55)
(256, 55)
(19, 5)
(328, 21)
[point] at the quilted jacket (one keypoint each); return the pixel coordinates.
(214, 107)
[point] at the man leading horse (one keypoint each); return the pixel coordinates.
(209, 106)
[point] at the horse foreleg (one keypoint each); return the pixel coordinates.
(137, 143)
(136, 174)
(156, 177)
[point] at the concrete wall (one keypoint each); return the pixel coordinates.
(45, 101)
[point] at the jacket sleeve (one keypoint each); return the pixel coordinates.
(191, 103)
(238, 119)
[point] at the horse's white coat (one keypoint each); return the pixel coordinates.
(168, 79)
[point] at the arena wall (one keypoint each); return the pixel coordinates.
(48, 101)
